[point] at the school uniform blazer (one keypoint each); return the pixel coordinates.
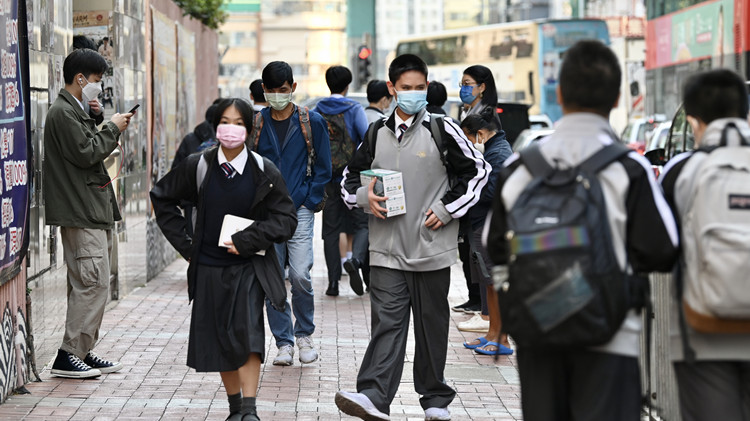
(272, 210)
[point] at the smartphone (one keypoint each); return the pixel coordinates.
(132, 110)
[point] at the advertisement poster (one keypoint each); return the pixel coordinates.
(14, 186)
(700, 32)
(186, 94)
(165, 106)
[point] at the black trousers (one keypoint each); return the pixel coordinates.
(714, 390)
(336, 218)
(464, 253)
(392, 294)
(578, 385)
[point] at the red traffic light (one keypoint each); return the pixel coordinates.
(364, 52)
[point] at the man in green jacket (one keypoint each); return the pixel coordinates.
(81, 201)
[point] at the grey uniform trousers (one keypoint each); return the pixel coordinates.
(392, 294)
(87, 254)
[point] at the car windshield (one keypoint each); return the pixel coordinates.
(644, 129)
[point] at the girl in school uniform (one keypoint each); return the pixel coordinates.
(228, 281)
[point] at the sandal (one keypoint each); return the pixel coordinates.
(501, 349)
(482, 341)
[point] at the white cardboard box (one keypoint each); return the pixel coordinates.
(389, 184)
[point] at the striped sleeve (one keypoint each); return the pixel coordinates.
(469, 170)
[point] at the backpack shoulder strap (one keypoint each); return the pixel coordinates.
(372, 135)
(200, 172)
(603, 157)
(304, 124)
(725, 135)
(437, 127)
(255, 132)
(534, 161)
(258, 160)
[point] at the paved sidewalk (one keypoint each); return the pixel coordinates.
(148, 332)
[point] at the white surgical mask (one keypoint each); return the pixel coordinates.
(278, 101)
(91, 91)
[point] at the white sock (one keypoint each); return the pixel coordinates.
(343, 259)
(348, 255)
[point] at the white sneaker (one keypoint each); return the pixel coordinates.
(360, 406)
(307, 352)
(285, 355)
(437, 414)
(475, 324)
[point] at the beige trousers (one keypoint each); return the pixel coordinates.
(87, 254)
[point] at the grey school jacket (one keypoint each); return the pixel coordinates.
(403, 242)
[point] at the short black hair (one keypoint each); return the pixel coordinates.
(590, 77)
(338, 79)
(436, 94)
(256, 90)
(82, 41)
(405, 63)
(211, 110)
(482, 74)
(376, 90)
(242, 105)
(105, 39)
(276, 73)
(84, 61)
(715, 94)
(473, 123)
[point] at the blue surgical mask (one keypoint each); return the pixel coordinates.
(466, 94)
(411, 102)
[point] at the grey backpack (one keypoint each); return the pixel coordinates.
(715, 284)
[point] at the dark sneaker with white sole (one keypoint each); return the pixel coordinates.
(351, 266)
(101, 364)
(69, 366)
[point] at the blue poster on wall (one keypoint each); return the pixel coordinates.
(14, 172)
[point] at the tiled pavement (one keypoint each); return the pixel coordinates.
(148, 332)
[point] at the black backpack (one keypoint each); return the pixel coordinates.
(342, 147)
(565, 287)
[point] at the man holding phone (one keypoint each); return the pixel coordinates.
(85, 208)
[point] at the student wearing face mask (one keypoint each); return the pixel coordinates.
(411, 254)
(478, 92)
(81, 201)
(296, 140)
(489, 141)
(228, 282)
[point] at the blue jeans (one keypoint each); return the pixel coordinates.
(300, 250)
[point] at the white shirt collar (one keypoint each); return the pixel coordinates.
(239, 161)
(408, 121)
(79, 102)
(337, 96)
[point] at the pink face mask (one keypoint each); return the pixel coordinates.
(230, 135)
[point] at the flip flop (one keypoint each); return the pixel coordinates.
(482, 341)
(501, 349)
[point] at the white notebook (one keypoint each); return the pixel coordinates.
(233, 224)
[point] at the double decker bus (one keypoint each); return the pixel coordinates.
(687, 36)
(524, 57)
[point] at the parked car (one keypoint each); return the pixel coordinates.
(637, 131)
(659, 136)
(529, 136)
(540, 121)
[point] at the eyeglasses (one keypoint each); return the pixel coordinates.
(461, 84)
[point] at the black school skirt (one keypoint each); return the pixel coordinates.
(227, 320)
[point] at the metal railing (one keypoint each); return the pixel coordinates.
(663, 385)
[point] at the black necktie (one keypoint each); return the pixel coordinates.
(228, 169)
